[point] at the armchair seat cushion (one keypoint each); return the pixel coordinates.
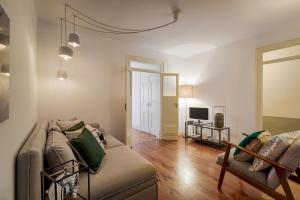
(243, 167)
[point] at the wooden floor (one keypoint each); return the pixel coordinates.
(188, 171)
(139, 137)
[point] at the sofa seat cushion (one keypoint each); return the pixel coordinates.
(243, 167)
(122, 173)
(112, 142)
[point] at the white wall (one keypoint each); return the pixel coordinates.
(23, 112)
(281, 86)
(95, 89)
(227, 76)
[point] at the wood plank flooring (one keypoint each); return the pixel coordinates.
(188, 171)
(139, 137)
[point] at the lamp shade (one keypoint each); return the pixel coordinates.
(65, 52)
(62, 74)
(5, 70)
(74, 40)
(186, 91)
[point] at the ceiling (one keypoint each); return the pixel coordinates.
(211, 22)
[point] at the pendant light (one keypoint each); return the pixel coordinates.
(5, 70)
(4, 41)
(65, 52)
(73, 37)
(61, 74)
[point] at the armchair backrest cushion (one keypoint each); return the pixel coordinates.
(290, 158)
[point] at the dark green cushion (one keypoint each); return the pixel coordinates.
(76, 126)
(247, 140)
(89, 149)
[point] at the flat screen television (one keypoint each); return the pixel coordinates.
(199, 113)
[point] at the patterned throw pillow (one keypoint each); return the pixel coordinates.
(96, 134)
(253, 146)
(247, 140)
(271, 150)
(101, 134)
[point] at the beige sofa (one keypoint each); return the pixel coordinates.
(123, 173)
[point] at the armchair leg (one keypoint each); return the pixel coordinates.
(221, 178)
(225, 164)
(283, 181)
(296, 178)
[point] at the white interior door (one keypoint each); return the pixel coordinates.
(170, 95)
(145, 103)
(128, 108)
(154, 108)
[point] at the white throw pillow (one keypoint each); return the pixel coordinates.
(64, 125)
(271, 150)
(71, 119)
(73, 134)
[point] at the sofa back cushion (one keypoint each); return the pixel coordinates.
(30, 163)
(58, 152)
(290, 158)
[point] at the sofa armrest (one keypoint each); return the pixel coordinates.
(274, 164)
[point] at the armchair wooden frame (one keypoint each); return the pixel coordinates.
(281, 171)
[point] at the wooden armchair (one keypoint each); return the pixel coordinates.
(256, 179)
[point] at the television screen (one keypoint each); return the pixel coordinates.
(199, 113)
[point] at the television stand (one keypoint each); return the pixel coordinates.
(197, 135)
(196, 124)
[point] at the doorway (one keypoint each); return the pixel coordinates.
(145, 106)
(279, 84)
(151, 101)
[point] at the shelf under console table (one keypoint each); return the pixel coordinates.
(198, 135)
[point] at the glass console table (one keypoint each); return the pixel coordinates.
(198, 134)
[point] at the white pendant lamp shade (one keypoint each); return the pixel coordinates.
(4, 41)
(62, 74)
(186, 91)
(5, 70)
(74, 40)
(65, 52)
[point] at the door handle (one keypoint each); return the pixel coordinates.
(176, 105)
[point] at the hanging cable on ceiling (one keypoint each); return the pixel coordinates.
(101, 27)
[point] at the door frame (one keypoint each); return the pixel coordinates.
(259, 68)
(128, 89)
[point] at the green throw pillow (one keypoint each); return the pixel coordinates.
(76, 127)
(247, 140)
(89, 149)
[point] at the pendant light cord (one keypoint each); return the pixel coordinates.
(61, 30)
(101, 27)
(66, 24)
(74, 22)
